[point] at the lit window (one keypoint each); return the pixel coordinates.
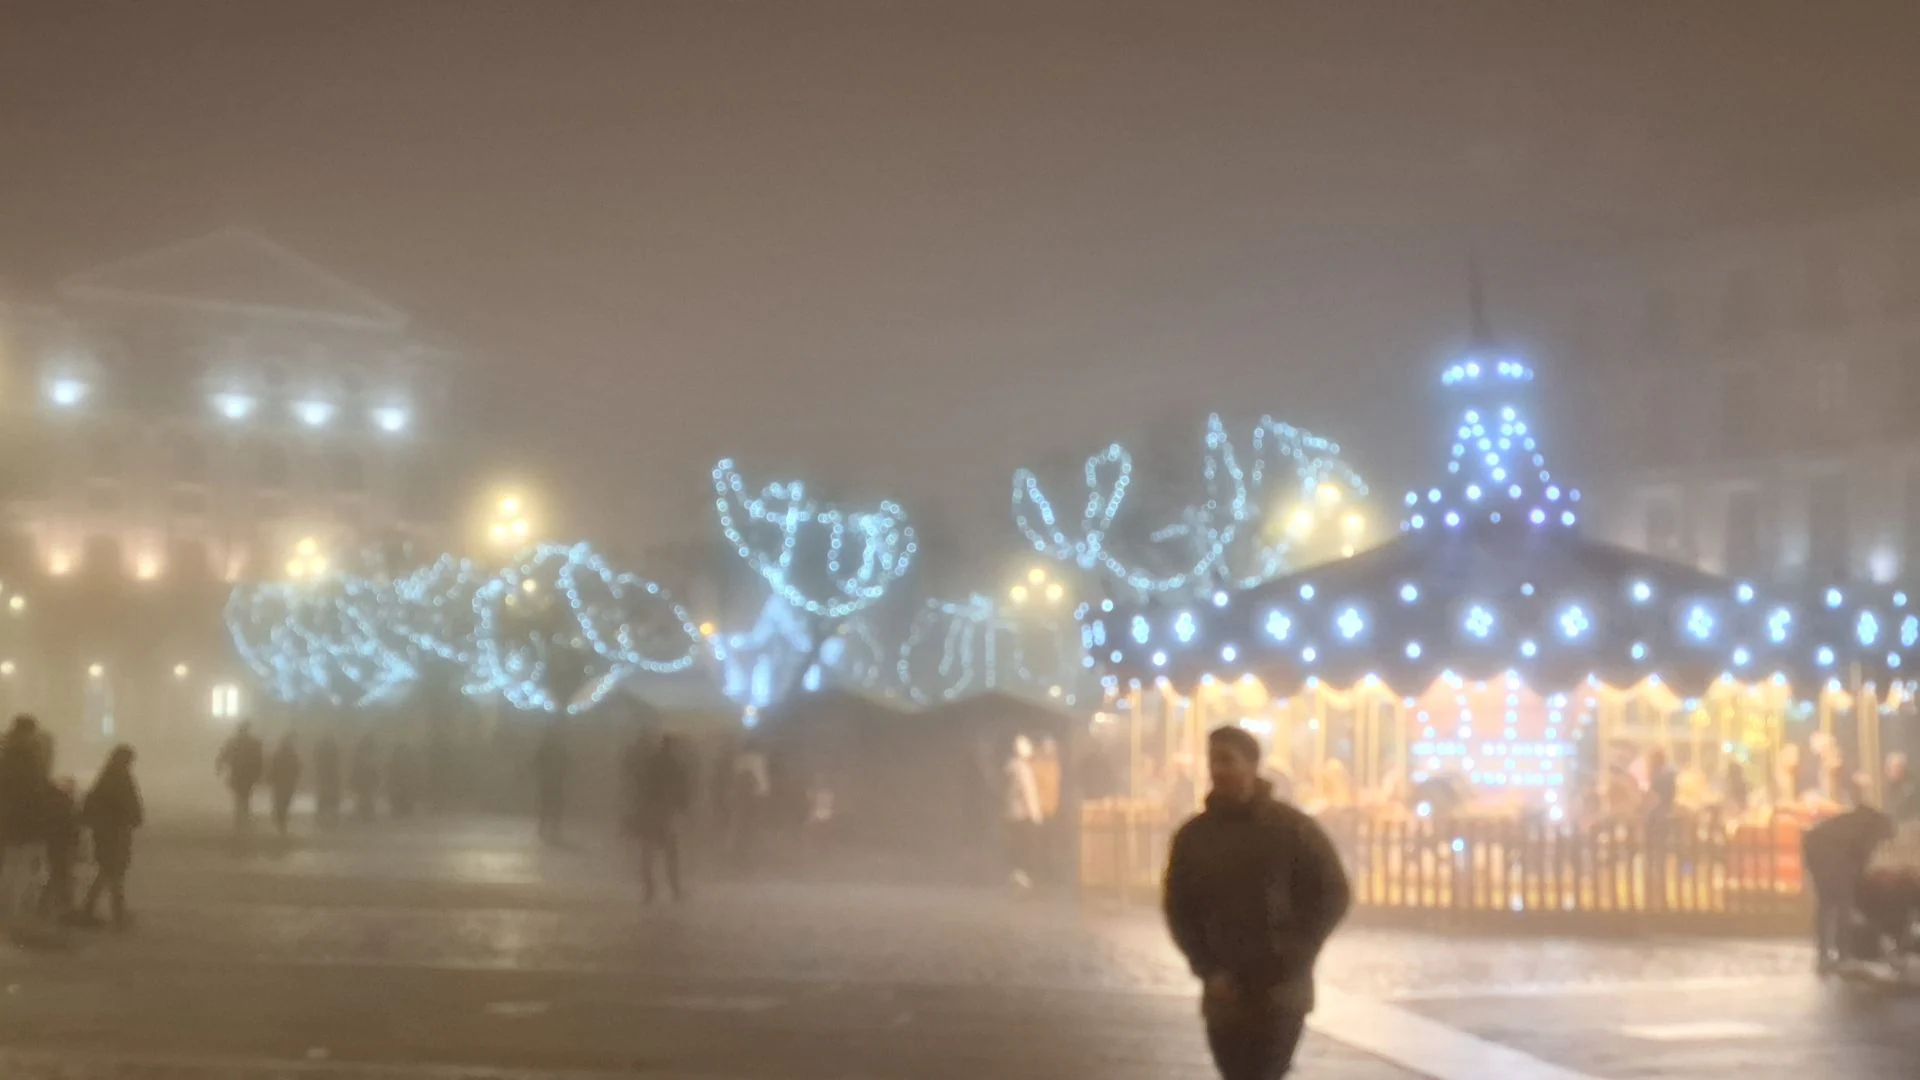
(314, 413)
(66, 392)
(233, 406)
(390, 418)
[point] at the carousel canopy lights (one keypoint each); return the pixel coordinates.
(1278, 625)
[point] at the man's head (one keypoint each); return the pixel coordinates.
(1233, 763)
(1896, 767)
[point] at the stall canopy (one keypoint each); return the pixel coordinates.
(1491, 574)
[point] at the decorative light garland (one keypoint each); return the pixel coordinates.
(767, 529)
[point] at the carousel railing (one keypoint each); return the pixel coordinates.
(1685, 869)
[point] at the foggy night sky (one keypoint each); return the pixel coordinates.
(904, 247)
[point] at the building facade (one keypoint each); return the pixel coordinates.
(179, 421)
(1747, 403)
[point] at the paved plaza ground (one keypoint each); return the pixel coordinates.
(460, 948)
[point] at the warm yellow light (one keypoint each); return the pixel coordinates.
(59, 563)
(497, 532)
(1328, 494)
(1018, 593)
(1300, 523)
(1353, 524)
(96, 670)
(529, 586)
(179, 671)
(6, 669)
(17, 603)
(317, 566)
(708, 629)
(1036, 575)
(296, 568)
(509, 506)
(307, 547)
(1346, 551)
(519, 528)
(147, 567)
(1055, 591)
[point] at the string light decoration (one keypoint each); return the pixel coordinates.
(322, 642)
(364, 635)
(560, 628)
(982, 647)
(1231, 537)
(855, 555)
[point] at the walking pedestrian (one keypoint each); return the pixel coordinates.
(283, 780)
(112, 812)
(63, 849)
(366, 777)
(1836, 853)
(662, 794)
(1023, 812)
(243, 761)
(550, 767)
(24, 782)
(1253, 890)
(326, 780)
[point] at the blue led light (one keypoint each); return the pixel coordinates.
(1278, 625)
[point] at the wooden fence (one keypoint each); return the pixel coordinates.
(1683, 875)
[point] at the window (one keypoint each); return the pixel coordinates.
(1663, 527)
(1829, 536)
(1745, 556)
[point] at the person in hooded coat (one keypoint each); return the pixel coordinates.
(112, 812)
(1254, 888)
(243, 762)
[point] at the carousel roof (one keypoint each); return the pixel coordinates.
(1491, 574)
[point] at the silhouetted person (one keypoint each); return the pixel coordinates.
(550, 767)
(283, 780)
(112, 812)
(1023, 813)
(326, 779)
(25, 761)
(403, 779)
(366, 777)
(1253, 890)
(243, 761)
(749, 801)
(1836, 853)
(63, 849)
(663, 791)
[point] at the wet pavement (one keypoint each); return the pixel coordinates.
(462, 949)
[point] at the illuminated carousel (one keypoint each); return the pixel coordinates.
(1494, 660)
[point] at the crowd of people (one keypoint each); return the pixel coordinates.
(48, 831)
(364, 775)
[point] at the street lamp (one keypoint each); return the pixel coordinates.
(179, 671)
(95, 670)
(509, 526)
(308, 561)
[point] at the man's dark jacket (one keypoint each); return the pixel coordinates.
(1253, 891)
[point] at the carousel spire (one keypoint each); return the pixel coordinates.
(1496, 474)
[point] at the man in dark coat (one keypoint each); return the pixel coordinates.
(662, 793)
(326, 780)
(283, 780)
(243, 761)
(25, 789)
(112, 812)
(1836, 853)
(1253, 890)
